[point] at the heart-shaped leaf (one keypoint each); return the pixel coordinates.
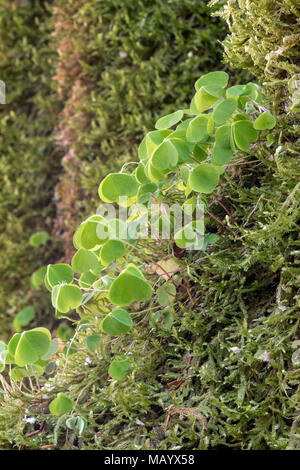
(84, 260)
(117, 322)
(58, 273)
(66, 297)
(203, 100)
(166, 294)
(119, 368)
(130, 286)
(197, 129)
(30, 346)
(92, 342)
(204, 178)
(37, 278)
(61, 404)
(244, 134)
(112, 250)
(165, 156)
(264, 121)
(91, 233)
(222, 150)
(224, 110)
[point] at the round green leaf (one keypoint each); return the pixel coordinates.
(92, 233)
(37, 278)
(39, 238)
(224, 110)
(204, 178)
(23, 318)
(203, 100)
(244, 134)
(154, 139)
(264, 121)
(92, 342)
(165, 156)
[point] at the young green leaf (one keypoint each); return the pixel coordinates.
(37, 278)
(117, 322)
(119, 368)
(224, 110)
(92, 342)
(31, 346)
(204, 178)
(84, 260)
(66, 297)
(129, 286)
(197, 129)
(218, 79)
(23, 318)
(112, 250)
(61, 404)
(58, 273)
(165, 156)
(264, 121)
(39, 238)
(203, 100)
(244, 134)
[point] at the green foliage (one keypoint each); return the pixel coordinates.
(61, 405)
(117, 81)
(217, 367)
(23, 318)
(39, 238)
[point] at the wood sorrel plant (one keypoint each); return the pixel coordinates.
(183, 159)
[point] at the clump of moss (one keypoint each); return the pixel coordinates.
(30, 162)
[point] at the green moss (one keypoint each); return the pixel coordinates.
(29, 162)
